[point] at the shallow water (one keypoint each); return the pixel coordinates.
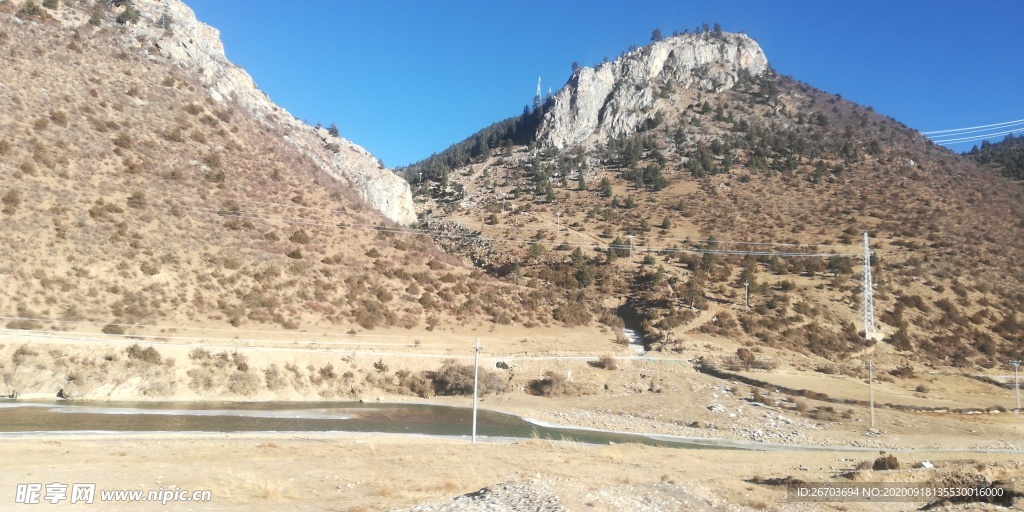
(85, 416)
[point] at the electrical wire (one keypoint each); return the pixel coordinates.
(974, 128)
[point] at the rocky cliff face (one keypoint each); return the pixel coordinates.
(616, 98)
(169, 29)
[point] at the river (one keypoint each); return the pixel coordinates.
(22, 417)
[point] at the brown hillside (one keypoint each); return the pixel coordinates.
(131, 196)
(777, 164)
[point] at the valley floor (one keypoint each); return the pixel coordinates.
(646, 394)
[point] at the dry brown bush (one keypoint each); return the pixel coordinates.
(552, 384)
(457, 379)
(148, 354)
(243, 383)
(886, 463)
(275, 379)
(608, 363)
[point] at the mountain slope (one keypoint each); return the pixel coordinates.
(1006, 155)
(145, 180)
(670, 190)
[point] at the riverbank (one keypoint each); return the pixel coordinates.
(651, 395)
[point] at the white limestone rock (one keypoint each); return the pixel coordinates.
(172, 28)
(616, 98)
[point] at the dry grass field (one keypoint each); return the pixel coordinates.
(348, 473)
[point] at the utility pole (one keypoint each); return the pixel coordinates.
(630, 237)
(1016, 387)
(476, 382)
(868, 300)
(746, 296)
(558, 222)
(871, 392)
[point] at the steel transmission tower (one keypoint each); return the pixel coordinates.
(869, 301)
(538, 101)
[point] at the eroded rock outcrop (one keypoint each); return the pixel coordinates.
(616, 98)
(171, 29)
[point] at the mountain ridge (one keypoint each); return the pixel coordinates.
(171, 29)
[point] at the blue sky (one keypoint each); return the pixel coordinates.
(405, 79)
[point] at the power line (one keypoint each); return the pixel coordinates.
(1018, 121)
(1004, 128)
(979, 137)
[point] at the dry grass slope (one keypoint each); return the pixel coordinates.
(130, 196)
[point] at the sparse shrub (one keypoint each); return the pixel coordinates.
(274, 378)
(199, 354)
(22, 354)
(241, 383)
(572, 315)
(825, 413)
(240, 361)
(59, 117)
(552, 384)
(295, 255)
(129, 15)
(96, 18)
(744, 354)
(31, 9)
(123, 140)
(24, 324)
(175, 135)
(208, 120)
(418, 385)
(300, 237)
(148, 354)
(137, 199)
(326, 372)
(903, 372)
(212, 160)
(457, 379)
(608, 363)
(201, 380)
(886, 463)
(922, 388)
(11, 202)
(113, 329)
(864, 465)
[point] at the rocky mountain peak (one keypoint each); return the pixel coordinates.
(169, 29)
(616, 98)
